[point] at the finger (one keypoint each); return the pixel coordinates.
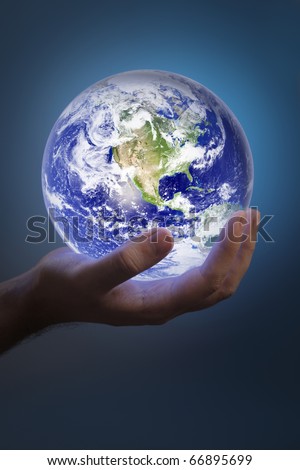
(129, 260)
(246, 250)
(193, 287)
(241, 262)
(219, 260)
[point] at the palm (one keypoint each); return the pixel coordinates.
(80, 289)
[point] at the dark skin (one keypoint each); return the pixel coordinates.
(67, 287)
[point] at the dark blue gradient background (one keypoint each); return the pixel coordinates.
(227, 377)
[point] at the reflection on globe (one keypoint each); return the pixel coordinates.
(143, 149)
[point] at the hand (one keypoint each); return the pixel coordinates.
(68, 287)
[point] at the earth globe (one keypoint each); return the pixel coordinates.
(142, 149)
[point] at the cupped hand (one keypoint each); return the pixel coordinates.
(70, 287)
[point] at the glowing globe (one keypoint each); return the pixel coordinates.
(142, 149)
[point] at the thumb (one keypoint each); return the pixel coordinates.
(130, 259)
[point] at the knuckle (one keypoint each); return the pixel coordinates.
(226, 292)
(216, 283)
(128, 263)
(213, 281)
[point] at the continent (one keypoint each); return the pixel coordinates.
(149, 156)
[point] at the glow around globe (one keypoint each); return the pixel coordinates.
(142, 149)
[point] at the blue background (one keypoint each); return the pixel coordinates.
(227, 377)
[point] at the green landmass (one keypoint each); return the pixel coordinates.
(149, 156)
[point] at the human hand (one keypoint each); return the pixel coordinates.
(68, 287)
(73, 287)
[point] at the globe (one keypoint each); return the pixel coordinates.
(142, 149)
